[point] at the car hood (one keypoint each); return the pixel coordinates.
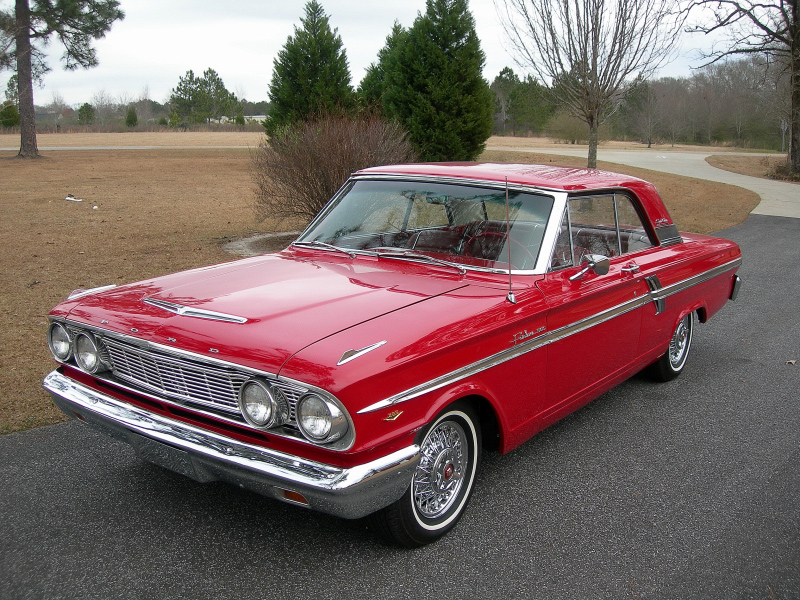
(260, 311)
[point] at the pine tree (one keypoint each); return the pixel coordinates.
(436, 89)
(200, 99)
(310, 75)
(86, 114)
(31, 24)
(373, 86)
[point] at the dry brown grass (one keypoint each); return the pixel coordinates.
(160, 211)
(754, 166)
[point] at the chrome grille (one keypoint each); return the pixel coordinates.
(184, 379)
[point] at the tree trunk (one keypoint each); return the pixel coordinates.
(27, 116)
(794, 131)
(593, 135)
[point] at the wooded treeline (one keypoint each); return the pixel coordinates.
(742, 103)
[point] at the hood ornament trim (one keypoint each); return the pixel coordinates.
(186, 311)
(354, 354)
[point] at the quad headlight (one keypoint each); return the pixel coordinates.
(262, 405)
(320, 420)
(60, 341)
(87, 353)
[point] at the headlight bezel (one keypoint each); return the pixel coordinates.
(99, 364)
(55, 325)
(275, 400)
(337, 423)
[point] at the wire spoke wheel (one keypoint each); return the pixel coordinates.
(441, 485)
(679, 344)
(670, 365)
(440, 473)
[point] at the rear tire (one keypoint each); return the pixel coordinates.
(441, 485)
(669, 366)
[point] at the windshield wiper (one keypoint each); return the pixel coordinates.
(318, 244)
(410, 254)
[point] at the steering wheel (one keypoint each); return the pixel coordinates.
(496, 234)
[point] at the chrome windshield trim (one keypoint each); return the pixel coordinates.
(551, 228)
(188, 311)
(548, 338)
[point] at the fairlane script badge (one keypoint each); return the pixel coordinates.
(523, 335)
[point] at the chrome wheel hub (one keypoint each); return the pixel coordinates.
(440, 472)
(680, 342)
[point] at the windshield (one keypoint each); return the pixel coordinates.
(459, 224)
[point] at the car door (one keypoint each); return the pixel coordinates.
(594, 319)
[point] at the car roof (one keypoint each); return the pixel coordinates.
(542, 176)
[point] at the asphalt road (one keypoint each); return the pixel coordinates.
(681, 490)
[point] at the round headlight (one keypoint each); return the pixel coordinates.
(261, 405)
(87, 354)
(60, 342)
(320, 420)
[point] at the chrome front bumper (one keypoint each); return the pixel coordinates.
(205, 456)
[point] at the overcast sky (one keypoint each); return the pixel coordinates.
(158, 41)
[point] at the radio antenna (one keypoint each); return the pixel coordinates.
(510, 297)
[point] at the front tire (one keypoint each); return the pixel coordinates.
(441, 485)
(669, 366)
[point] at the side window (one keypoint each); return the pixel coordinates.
(606, 224)
(632, 233)
(593, 226)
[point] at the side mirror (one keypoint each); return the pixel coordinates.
(596, 263)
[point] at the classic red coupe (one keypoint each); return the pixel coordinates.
(428, 312)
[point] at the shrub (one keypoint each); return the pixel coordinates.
(299, 169)
(86, 114)
(9, 116)
(131, 120)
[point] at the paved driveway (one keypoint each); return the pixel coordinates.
(681, 490)
(778, 198)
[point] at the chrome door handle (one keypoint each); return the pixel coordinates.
(631, 267)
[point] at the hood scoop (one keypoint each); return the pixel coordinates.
(199, 313)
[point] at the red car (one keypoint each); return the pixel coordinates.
(427, 313)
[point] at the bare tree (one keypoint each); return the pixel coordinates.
(771, 27)
(673, 106)
(588, 49)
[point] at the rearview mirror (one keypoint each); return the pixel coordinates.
(596, 263)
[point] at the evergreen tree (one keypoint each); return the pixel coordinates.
(373, 86)
(435, 88)
(531, 106)
(131, 119)
(503, 87)
(200, 99)
(310, 74)
(31, 23)
(9, 116)
(86, 114)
